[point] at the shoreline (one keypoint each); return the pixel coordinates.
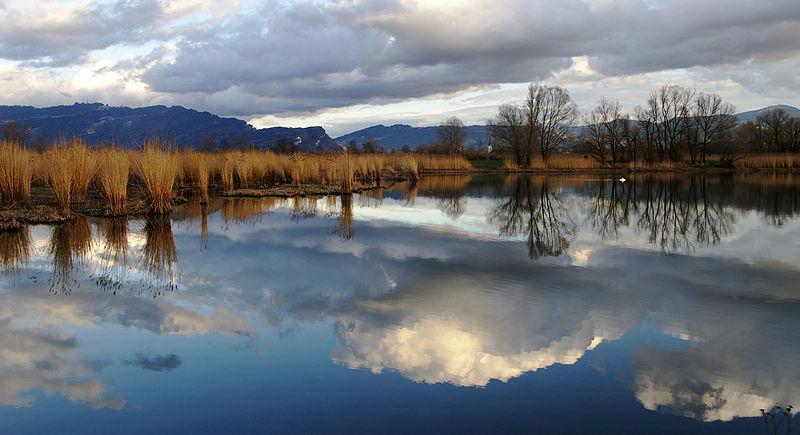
(42, 209)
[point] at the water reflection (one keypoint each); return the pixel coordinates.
(15, 248)
(534, 210)
(69, 243)
(160, 256)
(454, 298)
(345, 223)
(41, 360)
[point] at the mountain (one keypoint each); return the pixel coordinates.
(752, 115)
(395, 136)
(96, 122)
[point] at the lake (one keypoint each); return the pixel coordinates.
(559, 304)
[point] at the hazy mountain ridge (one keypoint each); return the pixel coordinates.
(395, 136)
(96, 122)
(752, 115)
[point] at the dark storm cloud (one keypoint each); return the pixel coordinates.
(304, 57)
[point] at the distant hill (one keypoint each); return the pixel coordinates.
(752, 115)
(96, 122)
(395, 136)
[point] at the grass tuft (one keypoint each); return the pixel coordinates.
(156, 167)
(16, 173)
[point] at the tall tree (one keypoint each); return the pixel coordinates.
(550, 114)
(452, 134)
(713, 120)
(668, 106)
(507, 131)
(775, 124)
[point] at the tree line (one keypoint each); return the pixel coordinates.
(676, 122)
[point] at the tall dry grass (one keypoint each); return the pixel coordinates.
(440, 163)
(783, 161)
(405, 164)
(57, 172)
(157, 168)
(16, 173)
(113, 171)
(225, 167)
(197, 167)
(82, 164)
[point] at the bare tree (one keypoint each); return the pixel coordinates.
(793, 134)
(610, 113)
(775, 124)
(550, 114)
(713, 119)
(647, 124)
(594, 139)
(507, 131)
(668, 106)
(452, 134)
(631, 138)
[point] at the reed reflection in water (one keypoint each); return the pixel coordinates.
(15, 248)
(160, 256)
(69, 243)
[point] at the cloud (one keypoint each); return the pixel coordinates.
(43, 360)
(304, 57)
(155, 363)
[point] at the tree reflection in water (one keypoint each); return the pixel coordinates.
(535, 211)
(677, 213)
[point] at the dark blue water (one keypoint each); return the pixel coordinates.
(459, 304)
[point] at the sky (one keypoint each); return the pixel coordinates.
(348, 64)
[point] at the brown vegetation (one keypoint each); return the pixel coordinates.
(113, 168)
(157, 168)
(16, 173)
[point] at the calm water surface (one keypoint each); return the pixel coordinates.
(460, 304)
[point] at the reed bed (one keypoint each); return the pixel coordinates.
(157, 169)
(197, 168)
(439, 163)
(783, 161)
(567, 162)
(71, 167)
(82, 164)
(56, 171)
(16, 173)
(113, 171)
(405, 164)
